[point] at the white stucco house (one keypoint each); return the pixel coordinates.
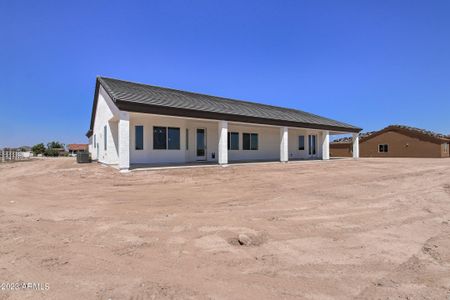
(135, 124)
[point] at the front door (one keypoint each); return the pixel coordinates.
(201, 144)
(312, 145)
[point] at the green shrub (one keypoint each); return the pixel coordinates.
(51, 152)
(38, 149)
(55, 144)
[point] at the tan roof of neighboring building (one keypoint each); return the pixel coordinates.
(77, 147)
(426, 134)
(345, 140)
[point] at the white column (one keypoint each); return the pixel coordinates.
(325, 145)
(355, 145)
(223, 143)
(124, 140)
(284, 150)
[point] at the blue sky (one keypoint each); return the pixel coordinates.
(368, 63)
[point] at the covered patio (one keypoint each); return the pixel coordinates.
(199, 142)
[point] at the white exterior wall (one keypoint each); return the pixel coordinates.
(268, 141)
(91, 144)
(294, 152)
(106, 114)
(150, 156)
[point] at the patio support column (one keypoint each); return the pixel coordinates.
(325, 145)
(223, 143)
(355, 145)
(284, 152)
(124, 140)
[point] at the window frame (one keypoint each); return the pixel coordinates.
(250, 143)
(229, 139)
(166, 137)
(244, 142)
(301, 148)
(312, 144)
(383, 148)
(136, 137)
(187, 139)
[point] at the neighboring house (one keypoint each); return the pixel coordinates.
(395, 141)
(134, 123)
(75, 148)
(61, 151)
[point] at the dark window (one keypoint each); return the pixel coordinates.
(187, 139)
(233, 140)
(254, 141)
(105, 140)
(246, 141)
(159, 138)
(301, 142)
(383, 148)
(95, 141)
(139, 135)
(173, 140)
(250, 141)
(201, 139)
(312, 144)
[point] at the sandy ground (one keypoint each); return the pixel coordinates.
(367, 229)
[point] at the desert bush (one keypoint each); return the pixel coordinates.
(51, 152)
(38, 149)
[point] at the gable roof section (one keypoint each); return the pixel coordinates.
(136, 97)
(345, 140)
(77, 147)
(422, 134)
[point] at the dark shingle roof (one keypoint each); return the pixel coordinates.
(129, 96)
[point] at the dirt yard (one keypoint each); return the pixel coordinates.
(373, 228)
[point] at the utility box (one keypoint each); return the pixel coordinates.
(83, 157)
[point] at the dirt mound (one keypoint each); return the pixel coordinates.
(248, 240)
